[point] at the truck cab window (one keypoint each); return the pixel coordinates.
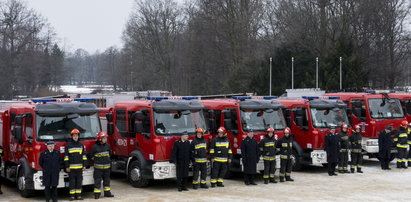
(29, 126)
(121, 122)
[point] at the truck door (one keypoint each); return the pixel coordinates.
(121, 134)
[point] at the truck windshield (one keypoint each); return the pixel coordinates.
(178, 122)
(324, 118)
(259, 120)
(385, 108)
(58, 127)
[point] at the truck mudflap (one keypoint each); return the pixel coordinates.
(370, 145)
(63, 179)
(318, 157)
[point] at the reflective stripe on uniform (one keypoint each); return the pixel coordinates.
(220, 159)
(403, 135)
(213, 181)
(284, 144)
(288, 174)
(102, 154)
(282, 174)
(97, 191)
(211, 151)
(269, 158)
(84, 157)
(402, 145)
(199, 146)
(72, 191)
(102, 166)
(269, 144)
(203, 182)
(285, 157)
(76, 150)
(66, 158)
(222, 144)
(106, 188)
(1, 151)
(229, 151)
(395, 139)
(220, 180)
(195, 182)
(409, 142)
(200, 160)
(78, 191)
(76, 166)
(356, 150)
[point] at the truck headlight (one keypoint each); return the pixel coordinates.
(371, 142)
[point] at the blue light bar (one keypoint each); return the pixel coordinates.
(157, 98)
(370, 91)
(189, 98)
(392, 91)
(241, 97)
(310, 97)
(63, 100)
(333, 97)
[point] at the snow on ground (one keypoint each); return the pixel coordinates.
(312, 184)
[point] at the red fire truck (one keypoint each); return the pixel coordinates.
(310, 119)
(26, 126)
(373, 111)
(405, 99)
(240, 115)
(142, 134)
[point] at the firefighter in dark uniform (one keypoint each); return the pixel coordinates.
(1, 168)
(75, 160)
(345, 146)
(250, 156)
(220, 153)
(199, 159)
(50, 163)
(332, 147)
(268, 151)
(409, 145)
(285, 148)
(100, 153)
(401, 142)
(356, 150)
(385, 142)
(181, 157)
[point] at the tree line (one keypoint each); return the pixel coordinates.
(218, 46)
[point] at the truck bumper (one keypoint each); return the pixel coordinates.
(370, 145)
(318, 157)
(63, 179)
(164, 170)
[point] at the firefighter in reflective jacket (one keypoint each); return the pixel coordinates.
(1, 168)
(401, 141)
(221, 155)
(268, 151)
(285, 148)
(356, 150)
(75, 160)
(100, 153)
(409, 145)
(199, 158)
(345, 146)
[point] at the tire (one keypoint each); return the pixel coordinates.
(296, 161)
(21, 184)
(135, 177)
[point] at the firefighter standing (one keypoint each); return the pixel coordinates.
(285, 148)
(181, 157)
(345, 146)
(384, 145)
(50, 163)
(221, 155)
(1, 168)
(250, 157)
(75, 160)
(100, 153)
(356, 150)
(199, 158)
(401, 142)
(268, 151)
(332, 147)
(409, 146)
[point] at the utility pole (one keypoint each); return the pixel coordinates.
(316, 73)
(340, 73)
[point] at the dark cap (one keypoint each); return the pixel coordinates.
(50, 143)
(389, 127)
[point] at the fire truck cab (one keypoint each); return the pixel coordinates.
(142, 134)
(26, 127)
(310, 119)
(405, 99)
(373, 112)
(241, 115)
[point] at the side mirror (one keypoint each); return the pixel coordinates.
(109, 117)
(110, 128)
(18, 134)
(138, 126)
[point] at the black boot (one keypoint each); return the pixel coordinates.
(220, 184)
(272, 180)
(72, 198)
(204, 186)
(213, 185)
(195, 186)
(359, 170)
(1, 191)
(409, 163)
(288, 178)
(352, 170)
(265, 181)
(78, 197)
(96, 196)
(108, 194)
(403, 165)
(281, 179)
(399, 164)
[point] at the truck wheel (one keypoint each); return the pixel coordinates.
(135, 176)
(21, 184)
(296, 161)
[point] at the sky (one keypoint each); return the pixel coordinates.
(88, 24)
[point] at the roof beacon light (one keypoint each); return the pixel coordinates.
(254, 97)
(173, 98)
(310, 97)
(63, 100)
